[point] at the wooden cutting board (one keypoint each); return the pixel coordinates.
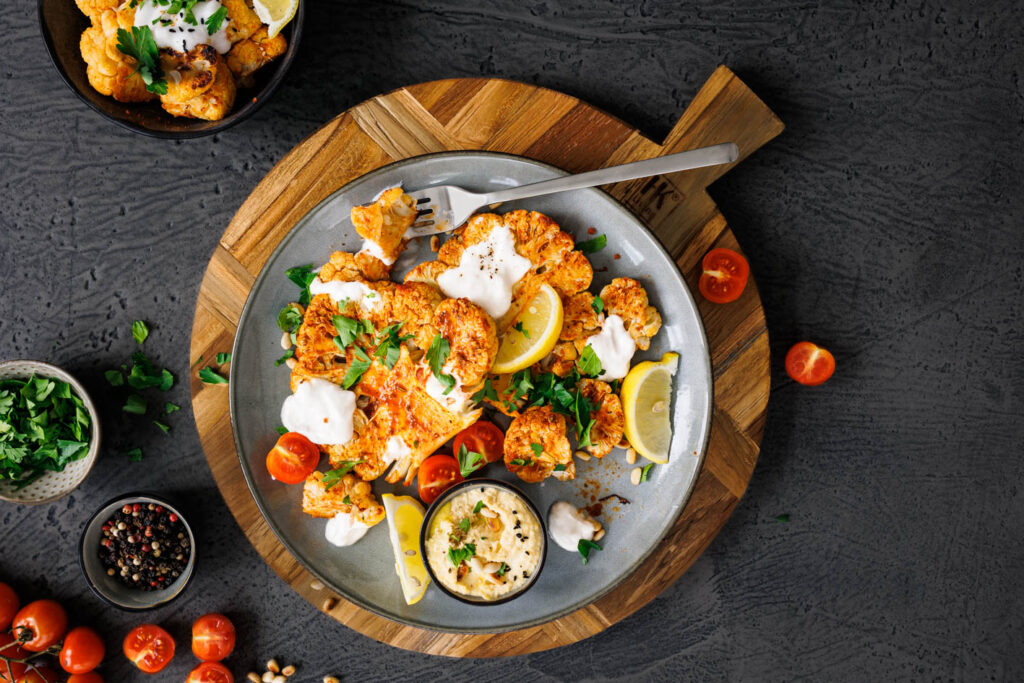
(517, 118)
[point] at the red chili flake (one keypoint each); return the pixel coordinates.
(591, 231)
(617, 257)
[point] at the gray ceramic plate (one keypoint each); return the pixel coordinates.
(364, 573)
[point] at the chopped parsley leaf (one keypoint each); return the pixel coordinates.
(332, 477)
(356, 368)
(114, 377)
(216, 19)
(478, 507)
(782, 518)
(303, 276)
(597, 304)
(464, 525)
(503, 569)
(289, 318)
(135, 454)
(135, 404)
(487, 392)
(589, 363)
(139, 331)
(163, 428)
(210, 376)
(584, 547)
(593, 245)
(469, 461)
(389, 344)
(171, 408)
(290, 353)
(559, 467)
(281, 430)
(459, 555)
(436, 356)
(223, 358)
(349, 330)
(518, 327)
(536, 448)
(141, 46)
(646, 470)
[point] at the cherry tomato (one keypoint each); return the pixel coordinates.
(43, 674)
(149, 647)
(481, 437)
(437, 474)
(82, 651)
(724, 277)
(10, 648)
(809, 364)
(91, 677)
(293, 458)
(213, 637)
(40, 624)
(210, 672)
(9, 604)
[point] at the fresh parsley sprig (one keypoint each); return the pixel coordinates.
(459, 555)
(332, 477)
(436, 356)
(389, 344)
(593, 245)
(469, 461)
(585, 546)
(140, 45)
(302, 276)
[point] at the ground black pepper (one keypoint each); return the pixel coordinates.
(145, 546)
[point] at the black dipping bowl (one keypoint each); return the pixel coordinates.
(108, 588)
(428, 520)
(62, 23)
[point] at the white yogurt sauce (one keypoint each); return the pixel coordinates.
(356, 292)
(395, 450)
(456, 400)
(373, 249)
(344, 529)
(321, 411)
(172, 31)
(567, 526)
(614, 347)
(486, 272)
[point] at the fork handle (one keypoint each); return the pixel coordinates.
(714, 155)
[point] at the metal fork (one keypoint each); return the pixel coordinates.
(446, 207)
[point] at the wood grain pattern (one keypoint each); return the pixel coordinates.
(552, 127)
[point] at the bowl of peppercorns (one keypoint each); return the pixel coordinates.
(137, 552)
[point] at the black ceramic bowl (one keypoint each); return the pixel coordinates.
(428, 522)
(109, 588)
(62, 23)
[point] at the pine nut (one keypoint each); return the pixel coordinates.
(272, 666)
(410, 553)
(634, 476)
(329, 604)
(331, 679)
(582, 455)
(288, 670)
(630, 456)
(623, 442)
(489, 513)
(317, 585)
(435, 243)
(599, 535)
(267, 677)
(414, 581)
(279, 679)
(253, 676)
(492, 567)
(658, 407)
(291, 363)
(286, 340)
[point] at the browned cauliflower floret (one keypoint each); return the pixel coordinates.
(320, 501)
(609, 420)
(472, 336)
(249, 55)
(538, 429)
(242, 20)
(110, 71)
(94, 8)
(199, 83)
(626, 298)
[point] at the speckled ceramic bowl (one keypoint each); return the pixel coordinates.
(52, 485)
(61, 24)
(428, 522)
(109, 588)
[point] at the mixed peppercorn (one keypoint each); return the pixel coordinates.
(145, 546)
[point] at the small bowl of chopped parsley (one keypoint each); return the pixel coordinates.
(49, 432)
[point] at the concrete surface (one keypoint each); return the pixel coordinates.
(885, 223)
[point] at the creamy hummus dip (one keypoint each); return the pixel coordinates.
(485, 543)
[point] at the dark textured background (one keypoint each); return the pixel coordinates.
(885, 223)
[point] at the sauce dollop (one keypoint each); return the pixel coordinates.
(568, 526)
(487, 272)
(356, 292)
(174, 32)
(614, 347)
(344, 529)
(321, 411)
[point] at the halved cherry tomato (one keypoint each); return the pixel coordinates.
(82, 651)
(809, 364)
(213, 637)
(293, 458)
(149, 647)
(437, 474)
(43, 674)
(40, 624)
(724, 277)
(9, 604)
(9, 648)
(481, 437)
(210, 672)
(91, 677)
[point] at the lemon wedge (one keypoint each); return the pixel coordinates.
(275, 13)
(646, 399)
(405, 517)
(534, 335)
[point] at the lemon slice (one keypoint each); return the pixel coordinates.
(646, 399)
(405, 517)
(275, 13)
(535, 333)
